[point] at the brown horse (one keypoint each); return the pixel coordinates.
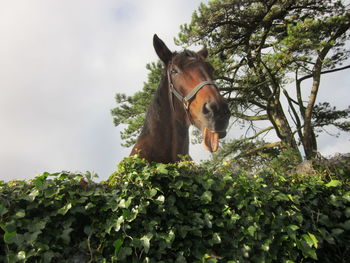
(186, 95)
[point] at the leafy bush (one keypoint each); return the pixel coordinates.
(175, 213)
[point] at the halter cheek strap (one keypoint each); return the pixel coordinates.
(187, 99)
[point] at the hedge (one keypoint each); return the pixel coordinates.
(176, 213)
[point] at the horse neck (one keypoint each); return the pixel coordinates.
(165, 132)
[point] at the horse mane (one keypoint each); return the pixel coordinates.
(154, 109)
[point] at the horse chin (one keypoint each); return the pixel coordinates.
(222, 134)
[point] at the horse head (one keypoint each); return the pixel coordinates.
(192, 90)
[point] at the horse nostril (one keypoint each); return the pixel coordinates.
(216, 110)
(206, 108)
(210, 108)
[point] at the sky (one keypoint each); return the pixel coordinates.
(61, 64)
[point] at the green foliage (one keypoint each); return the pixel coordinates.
(176, 213)
(131, 110)
(325, 115)
(244, 154)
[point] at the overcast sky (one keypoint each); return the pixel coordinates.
(61, 63)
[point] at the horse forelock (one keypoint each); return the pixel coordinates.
(185, 57)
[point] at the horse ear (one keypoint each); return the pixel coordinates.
(203, 53)
(161, 49)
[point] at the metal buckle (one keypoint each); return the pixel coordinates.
(186, 104)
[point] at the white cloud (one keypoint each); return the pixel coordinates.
(61, 63)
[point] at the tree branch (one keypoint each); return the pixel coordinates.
(260, 148)
(250, 118)
(297, 119)
(260, 132)
(299, 96)
(323, 72)
(239, 99)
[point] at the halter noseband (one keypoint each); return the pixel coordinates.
(187, 99)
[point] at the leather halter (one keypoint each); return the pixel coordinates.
(188, 98)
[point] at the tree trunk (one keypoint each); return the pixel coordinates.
(309, 140)
(281, 125)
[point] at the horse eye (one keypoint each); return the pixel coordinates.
(173, 71)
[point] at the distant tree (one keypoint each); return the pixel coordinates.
(263, 50)
(259, 45)
(131, 110)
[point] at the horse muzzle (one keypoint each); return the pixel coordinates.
(216, 118)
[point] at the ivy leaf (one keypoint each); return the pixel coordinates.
(251, 230)
(282, 197)
(118, 223)
(48, 255)
(20, 214)
(31, 237)
(145, 241)
(346, 225)
(311, 240)
(160, 199)
(64, 209)
(122, 203)
(179, 184)
(117, 246)
(37, 225)
(89, 206)
(207, 220)
(33, 194)
(152, 192)
(66, 235)
(334, 183)
(21, 255)
(347, 212)
(183, 230)
(162, 168)
(312, 253)
(169, 238)
(10, 237)
(314, 240)
(337, 231)
(207, 197)
(216, 238)
(293, 227)
(346, 196)
(3, 210)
